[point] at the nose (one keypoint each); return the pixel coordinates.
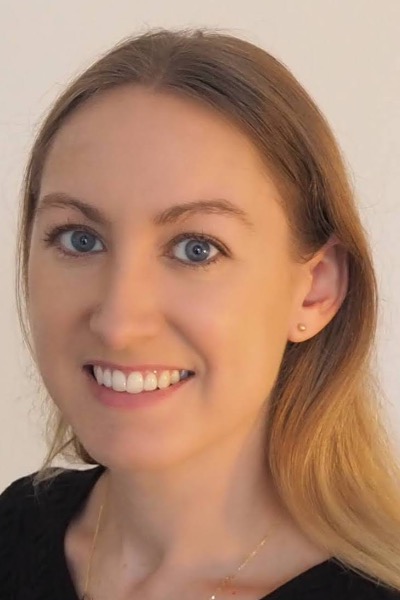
(129, 308)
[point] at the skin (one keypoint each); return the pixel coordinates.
(188, 491)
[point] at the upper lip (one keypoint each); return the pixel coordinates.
(130, 368)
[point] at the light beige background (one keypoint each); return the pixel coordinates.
(345, 52)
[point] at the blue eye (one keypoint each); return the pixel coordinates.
(196, 246)
(82, 241)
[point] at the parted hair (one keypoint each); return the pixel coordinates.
(327, 445)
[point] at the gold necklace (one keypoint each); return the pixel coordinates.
(220, 587)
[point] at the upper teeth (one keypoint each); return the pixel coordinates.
(135, 382)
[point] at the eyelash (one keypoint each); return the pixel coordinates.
(51, 235)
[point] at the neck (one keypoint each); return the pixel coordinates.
(217, 503)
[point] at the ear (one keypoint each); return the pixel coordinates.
(323, 287)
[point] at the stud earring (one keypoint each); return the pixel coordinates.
(301, 327)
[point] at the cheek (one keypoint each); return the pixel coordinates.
(50, 313)
(240, 327)
(51, 305)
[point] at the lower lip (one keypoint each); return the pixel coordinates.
(109, 397)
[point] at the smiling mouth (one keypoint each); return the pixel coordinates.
(89, 369)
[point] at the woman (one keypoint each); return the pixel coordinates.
(225, 396)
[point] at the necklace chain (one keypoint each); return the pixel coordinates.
(228, 579)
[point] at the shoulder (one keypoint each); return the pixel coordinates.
(32, 520)
(349, 584)
(24, 493)
(333, 580)
(24, 502)
(360, 588)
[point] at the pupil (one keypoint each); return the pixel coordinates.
(82, 240)
(197, 249)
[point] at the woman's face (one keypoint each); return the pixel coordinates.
(137, 296)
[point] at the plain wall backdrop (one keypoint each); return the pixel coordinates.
(346, 53)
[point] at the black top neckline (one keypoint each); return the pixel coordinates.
(323, 571)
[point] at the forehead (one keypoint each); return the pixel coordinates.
(130, 142)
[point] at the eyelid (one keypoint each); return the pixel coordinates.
(52, 234)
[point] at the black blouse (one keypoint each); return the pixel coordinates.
(33, 564)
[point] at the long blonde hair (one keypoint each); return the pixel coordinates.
(327, 447)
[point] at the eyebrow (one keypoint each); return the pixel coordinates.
(172, 214)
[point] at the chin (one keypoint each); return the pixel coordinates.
(121, 454)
